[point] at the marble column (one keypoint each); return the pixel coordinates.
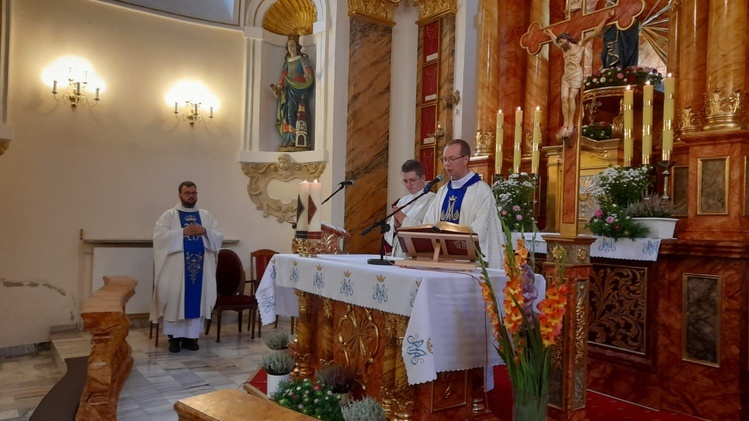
(726, 65)
(368, 129)
(692, 46)
(512, 23)
(488, 67)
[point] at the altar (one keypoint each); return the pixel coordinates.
(420, 339)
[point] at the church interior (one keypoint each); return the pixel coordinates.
(656, 322)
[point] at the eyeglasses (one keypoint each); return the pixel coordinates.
(190, 193)
(410, 180)
(451, 160)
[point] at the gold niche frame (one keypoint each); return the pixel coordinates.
(712, 186)
(688, 299)
(746, 187)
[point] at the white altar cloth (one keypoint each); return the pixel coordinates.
(448, 329)
(643, 249)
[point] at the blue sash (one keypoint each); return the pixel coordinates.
(194, 250)
(454, 200)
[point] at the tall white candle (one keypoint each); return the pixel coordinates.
(518, 140)
(647, 120)
(536, 140)
(314, 230)
(669, 87)
(498, 144)
(628, 125)
(302, 222)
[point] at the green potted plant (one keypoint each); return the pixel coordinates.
(340, 378)
(277, 340)
(654, 213)
(310, 398)
(278, 365)
(366, 409)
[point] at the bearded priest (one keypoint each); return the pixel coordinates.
(186, 241)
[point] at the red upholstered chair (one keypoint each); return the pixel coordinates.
(230, 283)
(259, 260)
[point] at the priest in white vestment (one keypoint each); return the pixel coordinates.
(467, 200)
(186, 241)
(412, 215)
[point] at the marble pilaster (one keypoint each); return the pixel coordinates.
(537, 77)
(488, 68)
(726, 65)
(693, 58)
(370, 45)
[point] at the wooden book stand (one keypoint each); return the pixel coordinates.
(443, 245)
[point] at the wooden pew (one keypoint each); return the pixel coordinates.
(111, 360)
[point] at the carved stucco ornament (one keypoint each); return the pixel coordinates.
(261, 173)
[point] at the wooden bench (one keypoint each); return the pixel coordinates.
(233, 405)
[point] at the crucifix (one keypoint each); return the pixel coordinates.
(565, 34)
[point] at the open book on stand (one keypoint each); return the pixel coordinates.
(443, 245)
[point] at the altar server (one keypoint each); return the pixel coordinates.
(412, 215)
(186, 241)
(467, 200)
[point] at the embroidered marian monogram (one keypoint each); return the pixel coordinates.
(414, 349)
(453, 202)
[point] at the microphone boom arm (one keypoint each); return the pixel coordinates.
(382, 221)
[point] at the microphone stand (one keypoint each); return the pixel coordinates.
(340, 187)
(384, 228)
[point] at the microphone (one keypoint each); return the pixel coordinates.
(347, 183)
(432, 183)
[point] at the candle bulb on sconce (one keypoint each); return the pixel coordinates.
(54, 87)
(97, 94)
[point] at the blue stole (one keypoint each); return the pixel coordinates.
(194, 251)
(450, 211)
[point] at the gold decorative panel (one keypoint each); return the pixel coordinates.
(380, 11)
(700, 317)
(618, 308)
(290, 17)
(580, 361)
(359, 337)
(431, 9)
(746, 185)
(712, 186)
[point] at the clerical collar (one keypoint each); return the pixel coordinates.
(179, 207)
(456, 184)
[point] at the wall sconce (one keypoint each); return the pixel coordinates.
(73, 76)
(193, 96)
(439, 132)
(451, 99)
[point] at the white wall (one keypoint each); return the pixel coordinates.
(113, 169)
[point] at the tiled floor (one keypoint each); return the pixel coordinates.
(157, 381)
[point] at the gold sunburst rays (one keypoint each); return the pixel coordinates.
(654, 30)
(290, 17)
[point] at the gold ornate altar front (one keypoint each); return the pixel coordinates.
(370, 341)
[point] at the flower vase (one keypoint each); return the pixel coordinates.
(527, 407)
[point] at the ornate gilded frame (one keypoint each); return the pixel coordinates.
(710, 173)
